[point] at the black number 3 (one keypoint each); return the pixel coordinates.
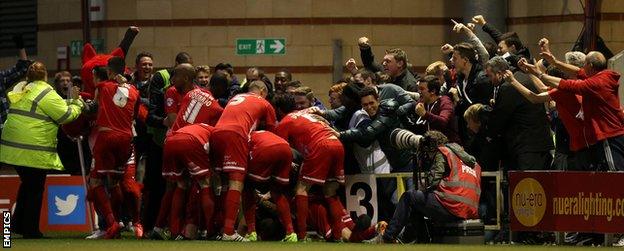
(365, 202)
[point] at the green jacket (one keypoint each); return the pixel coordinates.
(29, 133)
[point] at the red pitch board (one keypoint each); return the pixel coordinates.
(566, 201)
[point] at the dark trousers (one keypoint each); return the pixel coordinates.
(154, 186)
(385, 191)
(29, 197)
(608, 154)
(531, 161)
(413, 206)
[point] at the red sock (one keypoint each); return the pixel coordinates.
(301, 201)
(178, 201)
(193, 206)
(165, 208)
(337, 226)
(249, 209)
(232, 202)
(116, 201)
(208, 208)
(101, 202)
(132, 203)
(338, 212)
(317, 217)
(368, 233)
(132, 199)
(283, 210)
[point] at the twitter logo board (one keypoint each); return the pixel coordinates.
(66, 205)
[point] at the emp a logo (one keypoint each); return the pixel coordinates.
(66, 205)
(528, 202)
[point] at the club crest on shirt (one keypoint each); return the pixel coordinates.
(121, 96)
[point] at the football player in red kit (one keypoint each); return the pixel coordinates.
(270, 157)
(186, 156)
(323, 162)
(173, 100)
(230, 146)
(197, 106)
(113, 146)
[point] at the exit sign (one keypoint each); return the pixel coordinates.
(261, 46)
(75, 46)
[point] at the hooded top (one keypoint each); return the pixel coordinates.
(601, 104)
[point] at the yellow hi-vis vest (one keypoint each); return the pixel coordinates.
(29, 133)
(158, 134)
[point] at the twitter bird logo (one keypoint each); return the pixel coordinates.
(66, 206)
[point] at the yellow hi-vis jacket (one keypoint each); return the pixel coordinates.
(29, 133)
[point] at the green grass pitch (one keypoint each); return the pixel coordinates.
(75, 242)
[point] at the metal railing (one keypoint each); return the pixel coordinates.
(497, 175)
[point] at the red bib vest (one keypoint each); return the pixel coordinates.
(459, 192)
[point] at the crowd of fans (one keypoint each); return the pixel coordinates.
(490, 106)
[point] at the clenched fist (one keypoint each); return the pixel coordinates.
(478, 19)
(363, 42)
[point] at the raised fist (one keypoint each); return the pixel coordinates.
(350, 65)
(478, 19)
(134, 28)
(544, 45)
(363, 42)
(446, 49)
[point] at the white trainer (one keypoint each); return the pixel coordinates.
(235, 237)
(97, 234)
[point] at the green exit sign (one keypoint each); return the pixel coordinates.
(75, 46)
(261, 46)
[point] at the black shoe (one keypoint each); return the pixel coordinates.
(584, 239)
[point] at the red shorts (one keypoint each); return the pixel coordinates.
(229, 151)
(111, 152)
(184, 152)
(275, 161)
(324, 162)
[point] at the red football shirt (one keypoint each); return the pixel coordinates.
(198, 106)
(568, 106)
(172, 100)
(303, 131)
(244, 111)
(116, 105)
(200, 131)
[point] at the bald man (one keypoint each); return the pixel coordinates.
(182, 82)
(601, 111)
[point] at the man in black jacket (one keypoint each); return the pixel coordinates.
(473, 86)
(523, 126)
(386, 91)
(509, 44)
(394, 63)
(157, 127)
(384, 121)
